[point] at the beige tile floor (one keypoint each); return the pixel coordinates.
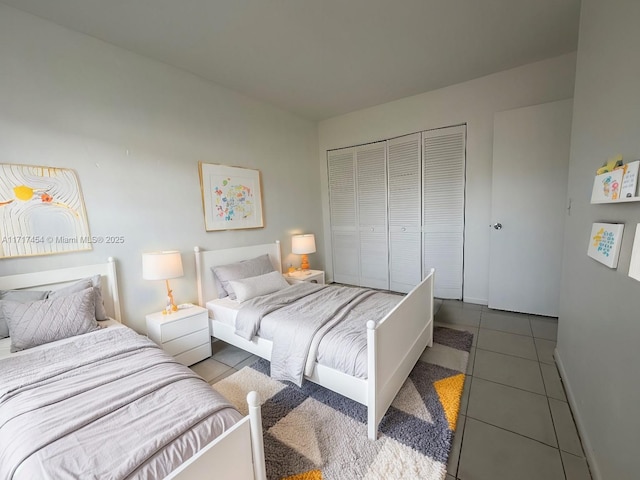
(515, 422)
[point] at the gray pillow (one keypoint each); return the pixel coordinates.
(101, 313)
(21, 296)
(43, 321)
(248, 288)
(239, 270)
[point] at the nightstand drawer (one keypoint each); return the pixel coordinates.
(186, 342)
(185, 326)
(195, 355)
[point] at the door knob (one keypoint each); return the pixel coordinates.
(497, 226)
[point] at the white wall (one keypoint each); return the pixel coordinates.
(599, 325)
(474, 103)
(134, 130)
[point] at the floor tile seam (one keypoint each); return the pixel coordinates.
(506, 313)
(515, 388)
(471, 361)
(466, 306)
(557, 446)
(504, 331)
(507, 354)
(448, 325)
(506, 385)
(555, 433)
(232, 366)
(574, 426)
(464, 429)
(218, 378)
(515, 433)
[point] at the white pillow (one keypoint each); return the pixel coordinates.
(251, 287)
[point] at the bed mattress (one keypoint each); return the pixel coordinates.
(226, 311)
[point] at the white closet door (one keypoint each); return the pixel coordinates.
(405, 247)
(443, 185)
(344, 227)
(371, 168)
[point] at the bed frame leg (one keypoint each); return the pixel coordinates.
(257, 442)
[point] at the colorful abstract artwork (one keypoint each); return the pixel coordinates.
(41, 211)
(231, 197)
(604, 243)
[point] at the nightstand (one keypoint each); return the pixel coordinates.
(183, 334)
(313, 276)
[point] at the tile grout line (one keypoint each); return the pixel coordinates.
(553, 422)
(516, 433)
(508, 354)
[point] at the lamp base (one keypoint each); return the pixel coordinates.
(304, 262)
(171, 304)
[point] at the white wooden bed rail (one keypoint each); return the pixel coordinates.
(236, 454)
(394, 346)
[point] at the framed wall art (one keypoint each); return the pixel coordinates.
(231, 197)
(41, 211)
(604, 243)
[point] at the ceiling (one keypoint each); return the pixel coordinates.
(322, 58)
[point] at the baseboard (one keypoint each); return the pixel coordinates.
(477, 301)
(586, 443)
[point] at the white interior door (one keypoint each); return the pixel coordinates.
(529, 189)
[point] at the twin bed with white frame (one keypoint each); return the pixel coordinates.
(235, 453)
(394, 344)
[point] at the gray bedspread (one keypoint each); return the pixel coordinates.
(304, 314)
(101, 407)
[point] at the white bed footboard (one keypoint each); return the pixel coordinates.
(394, 346)
(236, 454)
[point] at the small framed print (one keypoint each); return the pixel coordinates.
(604, 243)
(231, 197)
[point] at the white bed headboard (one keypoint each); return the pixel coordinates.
(205, 259)
(54, 279)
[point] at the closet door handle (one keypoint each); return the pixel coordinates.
(404, 229)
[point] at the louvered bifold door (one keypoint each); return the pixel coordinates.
(405, 204)
(344, 227)
(371, 168)
(443, 182)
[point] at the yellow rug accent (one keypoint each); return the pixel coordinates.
(310, 475)
(449, 391)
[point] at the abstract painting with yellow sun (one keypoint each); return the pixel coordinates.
(41, 211)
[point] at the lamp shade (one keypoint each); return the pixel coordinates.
(303, 244)
(161, 265)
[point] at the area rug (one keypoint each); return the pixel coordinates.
(312, 433)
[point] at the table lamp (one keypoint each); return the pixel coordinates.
(302, 245)
(163, 266)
